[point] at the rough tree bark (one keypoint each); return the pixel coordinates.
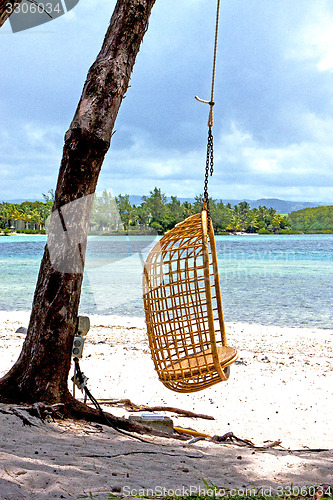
(6, 9)
(41, 372)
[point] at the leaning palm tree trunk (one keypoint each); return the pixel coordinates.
(41, 372)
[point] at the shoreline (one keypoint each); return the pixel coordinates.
(283, 376)
(238, 233)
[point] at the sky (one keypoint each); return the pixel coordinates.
(273, 117)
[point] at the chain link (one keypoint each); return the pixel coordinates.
(209, 170)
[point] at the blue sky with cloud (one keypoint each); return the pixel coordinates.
(273, 125)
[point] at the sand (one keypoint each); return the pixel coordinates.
(280, 389)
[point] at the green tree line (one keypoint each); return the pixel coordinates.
(114, 214)
(32, 216)
(315, 219)
(155, 211)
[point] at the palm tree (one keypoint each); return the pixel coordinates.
(5, 215)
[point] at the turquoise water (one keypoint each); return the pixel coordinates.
(280, 280)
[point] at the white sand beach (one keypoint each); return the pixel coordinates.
(280, 389)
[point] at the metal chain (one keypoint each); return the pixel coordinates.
(209, 170)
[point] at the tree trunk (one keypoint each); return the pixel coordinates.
(41, 372)
(6, 9)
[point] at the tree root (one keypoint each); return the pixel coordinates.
(38, 410)
(73, 409)
(76, 410)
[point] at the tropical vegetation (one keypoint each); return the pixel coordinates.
(159, 213)
(156, 212)
(26, 217)
(317, 219)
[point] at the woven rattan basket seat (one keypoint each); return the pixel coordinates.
(183, 308)
(193, 366)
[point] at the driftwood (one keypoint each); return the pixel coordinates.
(230, 437)
(128, 405)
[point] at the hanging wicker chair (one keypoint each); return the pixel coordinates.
(183, 308)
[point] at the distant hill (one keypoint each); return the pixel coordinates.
(312, 219)
(281, 206)
(17, 201)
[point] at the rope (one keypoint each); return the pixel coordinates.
(211, 118)
(82, 381)
(211, 102)
(210, 144)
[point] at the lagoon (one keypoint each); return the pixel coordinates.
(283, 280)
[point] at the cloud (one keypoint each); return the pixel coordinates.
(244, 167)
(314, 40)
(273, 113)
(297, 168)
(29, 162)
